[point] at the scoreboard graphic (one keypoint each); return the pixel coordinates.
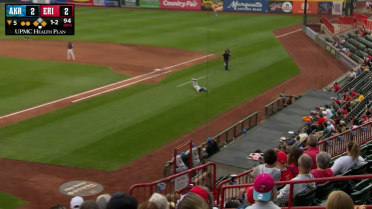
(39, 19)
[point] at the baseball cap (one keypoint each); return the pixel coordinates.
(282, 157)
(249, 193)
(201, 192)
(263, 187)
(76, 202)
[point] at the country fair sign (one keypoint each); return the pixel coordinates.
(181, 4)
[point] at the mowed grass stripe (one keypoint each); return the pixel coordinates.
(10, 202)
(27, 83)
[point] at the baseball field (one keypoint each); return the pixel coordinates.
(109, 130)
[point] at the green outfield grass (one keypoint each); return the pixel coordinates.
(26, 83)
(113, 129)
(10, 202)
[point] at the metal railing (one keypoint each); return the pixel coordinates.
(242, 178)
(337, 144)
(236, 130)
(225, 137)
(174, 186)
(234, 191)
(278, 104)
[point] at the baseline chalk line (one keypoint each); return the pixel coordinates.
(286, 34)
(191, 81)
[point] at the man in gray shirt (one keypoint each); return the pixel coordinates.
(304, 163)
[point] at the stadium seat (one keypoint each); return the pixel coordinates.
(361, 192)
(323, 190)
(361, 169)
(304, 199)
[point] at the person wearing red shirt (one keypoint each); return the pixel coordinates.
(312, 149)
(293, 156)
(321, 120)
(287, 173)
(336, 87)
(323, 170)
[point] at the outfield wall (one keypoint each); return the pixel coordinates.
(349, 63)
(322, 7)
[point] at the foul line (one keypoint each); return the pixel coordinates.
(286, 34)
(188, 61)
(106, 86)
(191, 81)
(122, 86)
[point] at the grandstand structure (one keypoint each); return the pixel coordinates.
(286, 122)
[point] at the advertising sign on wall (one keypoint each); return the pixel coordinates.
(111, 3)
(325, 8)
(181, 4)
(337, 8)
(299, 7)
(129, 3)
(210, 5)
(35, 1)
(81, 2)
(149, 3)
(98, 2)
(246, 5)
(58, 1)
(284, 7)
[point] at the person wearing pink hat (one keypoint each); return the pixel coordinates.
(263, 192)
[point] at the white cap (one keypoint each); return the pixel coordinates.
(76, 202)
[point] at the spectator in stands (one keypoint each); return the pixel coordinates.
(308, 127)
(352, 159)
(147, 205)
(212, 147)
(76, 202)
(358, 99)
(192, 201)
(323, 170)
(312, 149)
(269, 160)
(263, 192)
(185, 159)
(204, 193)
(195, 156)
(286, 173)
(58, 206)
(336, 87)
(293, 156)
(89, 204)
(159, 200)
(352, 75)
(339, 200)
(304, 162)
(122, 200)
(321, 120)
(102, 200)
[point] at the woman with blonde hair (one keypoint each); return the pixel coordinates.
(192, 201)
(347, 162)
(339, 200)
